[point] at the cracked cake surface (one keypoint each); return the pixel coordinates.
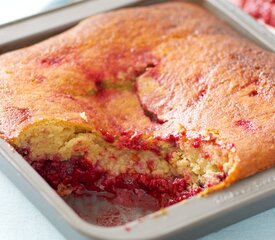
(166, 98)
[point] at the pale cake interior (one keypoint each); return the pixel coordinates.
(201, 165)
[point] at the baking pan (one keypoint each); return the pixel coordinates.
(186, 220)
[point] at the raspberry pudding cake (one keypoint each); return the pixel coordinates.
(166, 99)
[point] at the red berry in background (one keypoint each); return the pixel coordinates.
(260, 9)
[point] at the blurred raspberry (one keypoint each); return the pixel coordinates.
(260, 9)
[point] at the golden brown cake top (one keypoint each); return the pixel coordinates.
(149, 70)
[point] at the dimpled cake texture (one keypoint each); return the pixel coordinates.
(165, 98)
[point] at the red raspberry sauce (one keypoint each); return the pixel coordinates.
(245, 124)
(82, 175)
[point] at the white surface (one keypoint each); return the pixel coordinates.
(12, 10)
(20, 220)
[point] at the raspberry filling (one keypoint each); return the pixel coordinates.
(168, 170)
(81, 175)
(260, 9)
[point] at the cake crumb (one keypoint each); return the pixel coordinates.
(160, 213)
(84, 116)
(183, 201)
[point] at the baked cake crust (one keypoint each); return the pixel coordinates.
(171, 71)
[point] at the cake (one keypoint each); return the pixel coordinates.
(166, 99)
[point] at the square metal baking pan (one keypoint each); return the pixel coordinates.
(191, 219)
